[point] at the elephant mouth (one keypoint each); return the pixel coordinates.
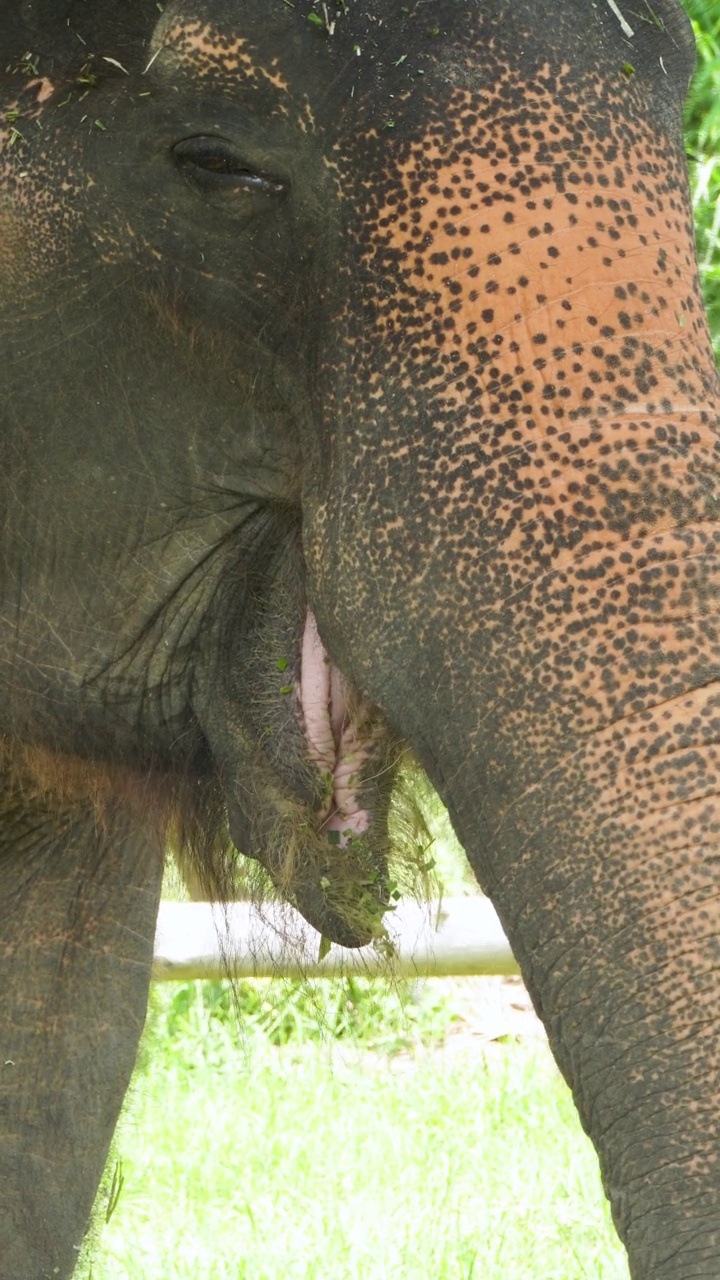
(334, 739)
(316, 815)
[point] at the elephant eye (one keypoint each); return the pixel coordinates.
(213, 165)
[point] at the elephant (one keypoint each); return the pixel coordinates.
(358, 399)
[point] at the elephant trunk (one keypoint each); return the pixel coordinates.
(543, 627)
(605, 874)
(513, 549)
(580, 764)
(589, 803)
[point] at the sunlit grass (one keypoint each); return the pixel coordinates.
(328, 1159)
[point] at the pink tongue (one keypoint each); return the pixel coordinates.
(331, 737)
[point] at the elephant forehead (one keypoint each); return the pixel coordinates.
(209, 52)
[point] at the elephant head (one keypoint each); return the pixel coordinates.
(358, 393)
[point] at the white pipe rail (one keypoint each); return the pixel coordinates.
(458, 937)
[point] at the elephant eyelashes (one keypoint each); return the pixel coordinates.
(213, 167)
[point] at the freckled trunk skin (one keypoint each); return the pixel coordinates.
(77, 922)
(615, 918)
(560, 413)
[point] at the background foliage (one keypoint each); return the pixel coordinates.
(702, 133)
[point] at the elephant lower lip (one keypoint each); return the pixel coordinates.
(318, 829)
(340, 889)
(312, 903)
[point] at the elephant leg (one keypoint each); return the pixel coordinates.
(78, 907)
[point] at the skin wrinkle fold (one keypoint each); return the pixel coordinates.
(614, 341)
(619, 1128)
(612, 818)
(663, 1129)
(604, 1023)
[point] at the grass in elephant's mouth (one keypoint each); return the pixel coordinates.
(283, 1154)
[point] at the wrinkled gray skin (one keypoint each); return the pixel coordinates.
(394, 326)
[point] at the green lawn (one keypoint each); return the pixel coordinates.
(327, 1157)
